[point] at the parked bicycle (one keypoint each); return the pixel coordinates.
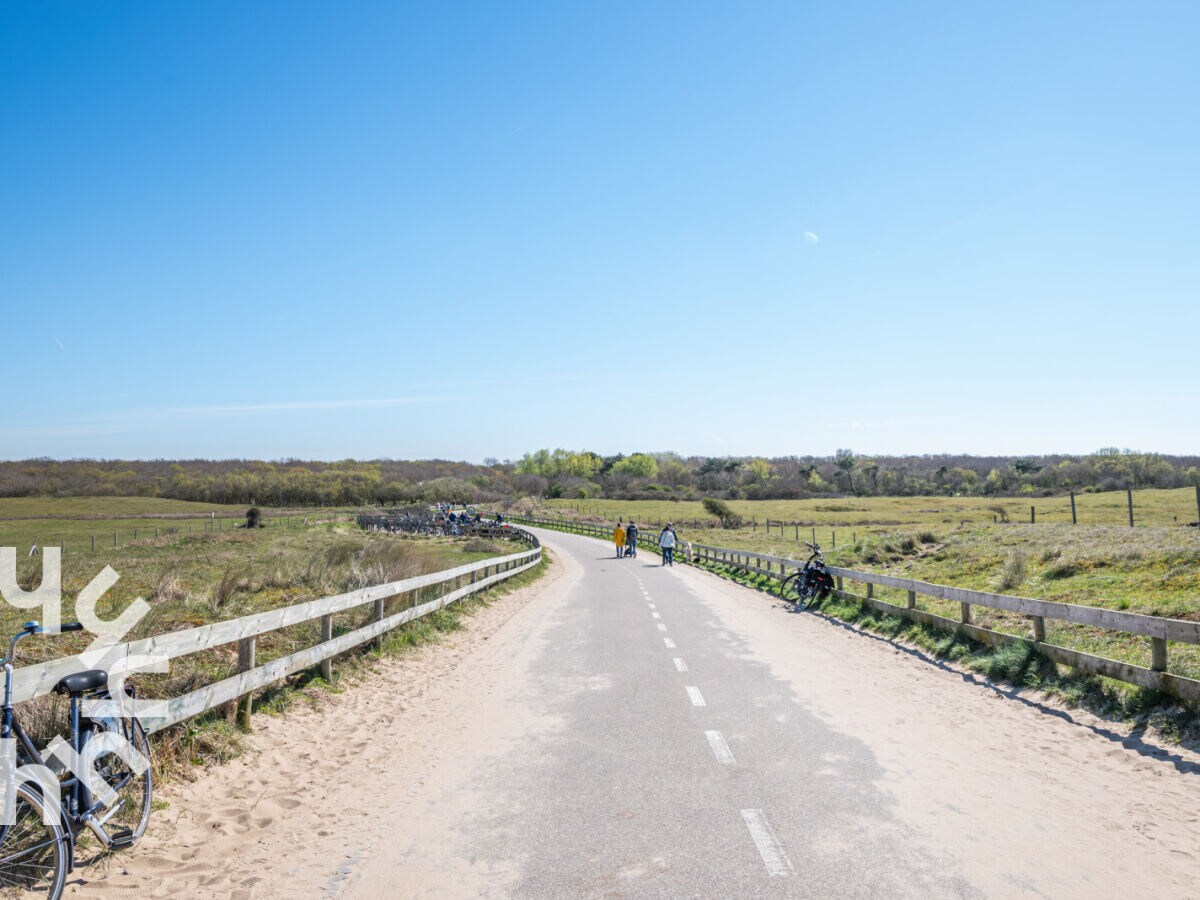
(37, 850)
(812, 582)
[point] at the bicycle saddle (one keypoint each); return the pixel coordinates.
(82, 682)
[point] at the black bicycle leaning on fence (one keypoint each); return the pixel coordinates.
(812, 582)
(37, 846)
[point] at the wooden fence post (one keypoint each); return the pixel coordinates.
(966, 613)
(1039, 628)
(1032, 515)
(93, 542)
(912, 599)
(870, 589)
(246, 648)
(1158, 654)
(1129, 495)
(327, 635)
(1074, 518)
(379, 618)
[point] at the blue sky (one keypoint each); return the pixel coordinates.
(382, 229)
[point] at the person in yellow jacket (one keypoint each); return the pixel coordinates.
(619, 539)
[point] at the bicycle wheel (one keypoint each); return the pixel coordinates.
(33, 855)
(793, 587)
(135, 791)
(809, 592)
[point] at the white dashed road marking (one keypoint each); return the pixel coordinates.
(656, 615)
(769, 848)
(680, 665)
(720, 749)
(670, 643)
(697, 697)
(662, 627)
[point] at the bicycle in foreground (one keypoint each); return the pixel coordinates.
(37, 847)
(811, 582)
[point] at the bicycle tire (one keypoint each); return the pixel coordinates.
(33, 852)
(792, 587)
(136, 791)
(808, 593)
(800, 589)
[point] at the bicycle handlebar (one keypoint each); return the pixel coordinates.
(35, 628)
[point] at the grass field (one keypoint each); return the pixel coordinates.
(72, 523)
(1151, 507)
(108, 508)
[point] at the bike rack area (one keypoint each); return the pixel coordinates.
(1159, 630)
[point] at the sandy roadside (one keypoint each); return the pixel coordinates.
(295, 815)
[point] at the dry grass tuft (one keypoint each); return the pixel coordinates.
(235, 579)
(168, 587)
(1014, 571)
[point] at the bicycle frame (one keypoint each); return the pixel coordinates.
(28, 753)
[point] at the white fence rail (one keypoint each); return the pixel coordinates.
(1160, 630)
(39, 680)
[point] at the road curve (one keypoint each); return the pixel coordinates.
(635, 731)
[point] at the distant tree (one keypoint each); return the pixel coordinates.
(639, 465)
(758, 470)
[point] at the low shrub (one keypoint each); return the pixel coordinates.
(723, 511)
(478, 545)
(1062, 568)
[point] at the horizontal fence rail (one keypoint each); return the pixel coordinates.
(1159, 630)
(39, 680)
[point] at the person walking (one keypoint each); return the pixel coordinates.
(631, 538)
(666, 543)
(619, 539)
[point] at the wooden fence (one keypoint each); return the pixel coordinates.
(39, 680)
(1159, 630)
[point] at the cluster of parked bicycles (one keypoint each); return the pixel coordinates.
(433, 522)
(91, 796)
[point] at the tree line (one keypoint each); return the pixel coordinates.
(583, 474)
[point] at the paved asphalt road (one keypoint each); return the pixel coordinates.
(687, 769)
(645, 744)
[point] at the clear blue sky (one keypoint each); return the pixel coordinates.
(413, 230)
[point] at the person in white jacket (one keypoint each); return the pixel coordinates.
(666, 542)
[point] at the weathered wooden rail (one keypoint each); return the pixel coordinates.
(39, 680)
(1161, 631)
